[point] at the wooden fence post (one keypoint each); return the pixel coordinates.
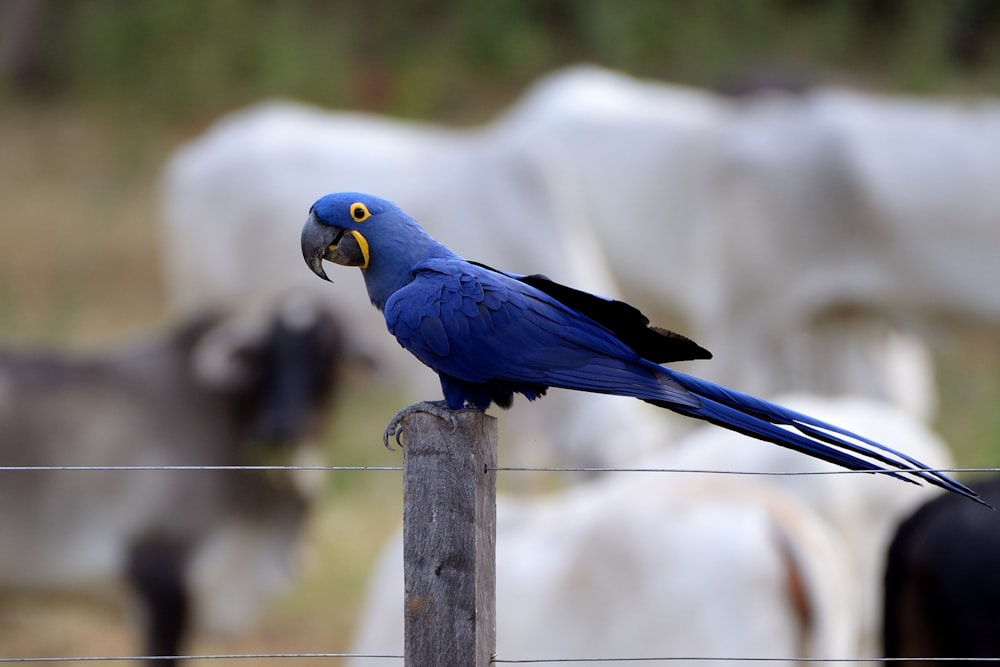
(449, 540)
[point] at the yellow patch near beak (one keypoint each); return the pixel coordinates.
(363, 244)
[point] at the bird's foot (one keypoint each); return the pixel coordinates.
(394, 430)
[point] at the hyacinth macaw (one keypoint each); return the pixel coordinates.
(490, 334)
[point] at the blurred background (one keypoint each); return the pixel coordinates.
(96, 94)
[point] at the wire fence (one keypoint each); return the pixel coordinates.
(700, 471)
(530, 661)
(393, 658)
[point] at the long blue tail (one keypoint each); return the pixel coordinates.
(767, 421)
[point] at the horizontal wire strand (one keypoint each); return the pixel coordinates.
(544, 661)
(495, 660)
(209, 656)
(700, 471)
(710, 471)
(201, 468)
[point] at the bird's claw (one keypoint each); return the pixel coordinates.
(394, 429)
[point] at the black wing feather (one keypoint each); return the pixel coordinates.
(627, 322)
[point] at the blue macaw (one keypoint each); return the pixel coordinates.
(490, 334)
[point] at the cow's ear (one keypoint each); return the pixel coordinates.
(226, 357)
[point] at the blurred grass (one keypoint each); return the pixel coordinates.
(78, 244)
(123, 82)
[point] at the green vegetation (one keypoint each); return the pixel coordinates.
(457, 59)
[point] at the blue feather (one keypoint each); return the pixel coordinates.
(490, 335)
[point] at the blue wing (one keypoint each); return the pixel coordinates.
(484, 331)
(475, 325)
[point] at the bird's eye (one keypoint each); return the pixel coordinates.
(359, 212)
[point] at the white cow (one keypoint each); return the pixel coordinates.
(853, 215)
(864, 509)
(556, 556)
(714, 212)
(648, 565)
(645, 158)
(235, 199)
(802, 237)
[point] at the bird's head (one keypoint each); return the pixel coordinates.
(355, 229)
(337, 228)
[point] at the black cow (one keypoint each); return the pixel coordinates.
(942, 582)
(195, 547)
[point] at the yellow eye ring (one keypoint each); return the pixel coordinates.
(359, 212)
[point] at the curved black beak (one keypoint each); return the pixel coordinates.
(335, 244)
(317, 241)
